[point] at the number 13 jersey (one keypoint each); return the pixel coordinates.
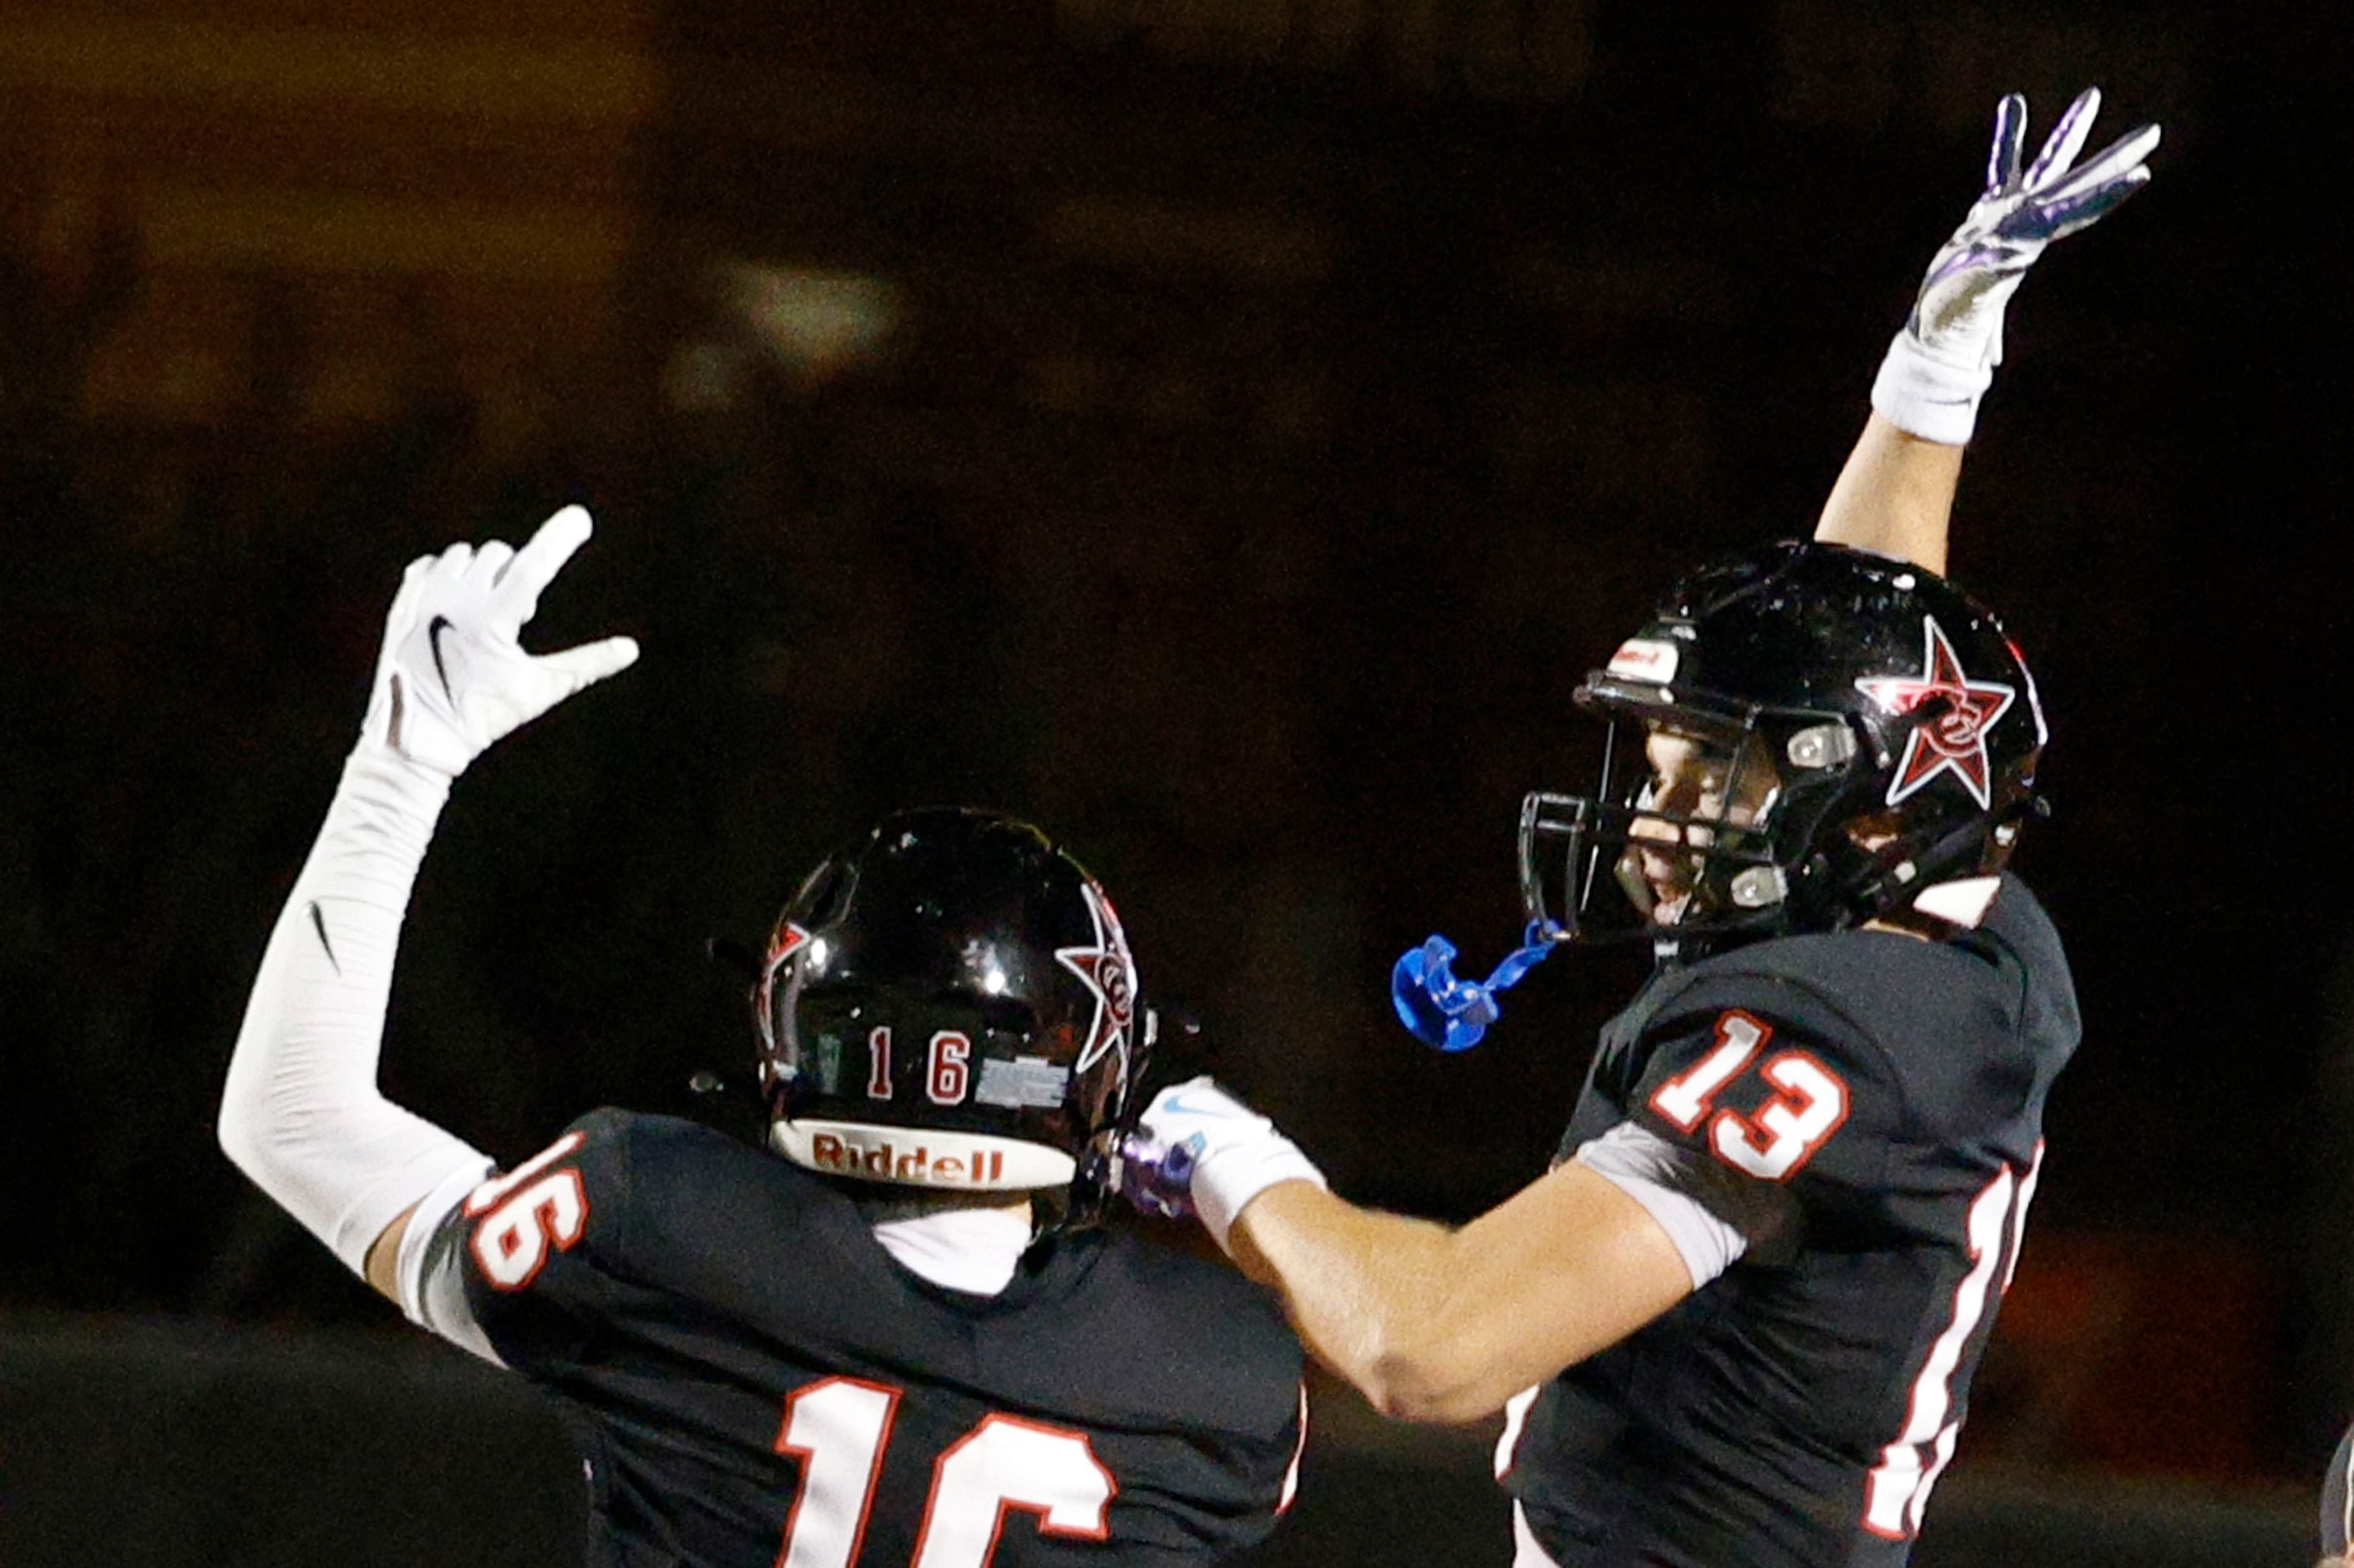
(1796, 1409)
(754, 1382)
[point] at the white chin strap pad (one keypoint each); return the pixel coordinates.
(922, 1157)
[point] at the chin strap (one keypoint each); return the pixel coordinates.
(1453, 1015)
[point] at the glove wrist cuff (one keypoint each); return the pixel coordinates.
(1227, 1182)
(1928, 396)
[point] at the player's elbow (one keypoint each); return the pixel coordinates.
(234, 1129)
(245, 1130)
(1428, 1377)
(243, 1139)
(1402, 1395)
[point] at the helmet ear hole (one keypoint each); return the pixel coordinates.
(1818, 746)
(1759, 887)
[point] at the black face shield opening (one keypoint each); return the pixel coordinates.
(1673, 871)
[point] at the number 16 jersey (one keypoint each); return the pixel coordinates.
(754, 1382)
(1795, 1410)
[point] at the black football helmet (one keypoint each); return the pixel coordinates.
(949, 1004)
(1898, 725)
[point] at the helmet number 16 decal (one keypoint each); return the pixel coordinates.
(1809, 1102)
(839, 1427)
(948, 1073)
(949, 1077)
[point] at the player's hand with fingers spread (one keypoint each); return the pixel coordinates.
(1197, 1150)
(451, 678)
(1940, 364)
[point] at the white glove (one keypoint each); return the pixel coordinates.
(1199, 1148)
(451, 679)
(1942, 363)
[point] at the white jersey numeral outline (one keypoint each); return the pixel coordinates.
(1008, 1463)
(1810, 1104)
(1810, 1101)
(526, 1215)
(1896, 1492)
(840, 1427)
(1684, 1099)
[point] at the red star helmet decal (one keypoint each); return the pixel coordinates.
(789, 939)
(1108, 970)
(1953, 742)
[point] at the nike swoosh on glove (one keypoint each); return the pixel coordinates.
(1940, 364)
(451, 678)
(1197, 1150)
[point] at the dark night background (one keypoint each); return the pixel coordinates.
(1284, 403)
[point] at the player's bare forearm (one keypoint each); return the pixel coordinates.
(1433, 1324)
(1363, 1288)
(1895, 497)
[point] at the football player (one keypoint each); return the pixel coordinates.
(1746, 1302)
(892, 1337)
(2338, 1505)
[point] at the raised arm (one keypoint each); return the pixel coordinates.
(301, 1112)
(1896, 495)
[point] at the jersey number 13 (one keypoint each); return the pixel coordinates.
(1809, 1104)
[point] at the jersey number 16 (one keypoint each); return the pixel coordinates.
(840, 1425)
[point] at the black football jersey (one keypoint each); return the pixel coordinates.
(754, 1382)
(1795, 1411)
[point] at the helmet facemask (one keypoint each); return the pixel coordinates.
(1817, 850)
(1688, 832)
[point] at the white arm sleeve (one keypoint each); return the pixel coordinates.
(301, 1112)
(1714, 1215)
